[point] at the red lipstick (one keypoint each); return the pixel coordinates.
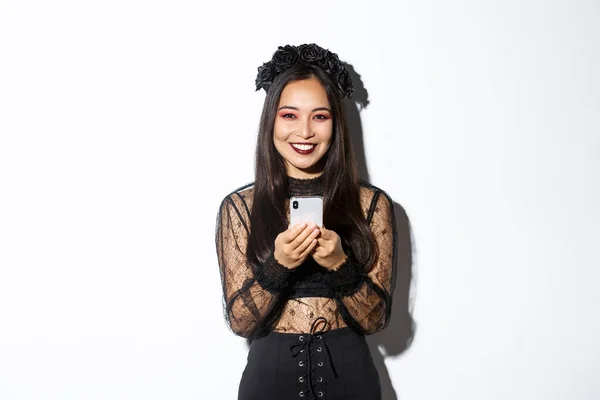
(301, 151)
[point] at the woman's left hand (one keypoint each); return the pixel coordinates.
(329, 253)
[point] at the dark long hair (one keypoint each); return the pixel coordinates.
(341, 190)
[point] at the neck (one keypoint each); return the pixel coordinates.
(309, 186)
(305, 173)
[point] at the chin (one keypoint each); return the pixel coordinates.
(305, 165)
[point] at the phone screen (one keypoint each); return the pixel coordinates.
(306, 209)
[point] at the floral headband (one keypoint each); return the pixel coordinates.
(288, 56)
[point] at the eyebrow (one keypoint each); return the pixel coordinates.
(296, 108)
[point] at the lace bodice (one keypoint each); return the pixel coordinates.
(274, 298)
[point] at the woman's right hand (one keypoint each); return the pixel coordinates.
(295, 244)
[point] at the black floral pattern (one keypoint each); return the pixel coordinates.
(285, 57)
(288, 56)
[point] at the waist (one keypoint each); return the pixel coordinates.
(297, 315)
(296, 292)
(343, 339)
(339, 332)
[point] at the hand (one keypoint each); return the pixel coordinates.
(329, 253)
(295, 244)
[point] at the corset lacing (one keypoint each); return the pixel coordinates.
(308, 342)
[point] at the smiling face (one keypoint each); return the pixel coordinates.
(303, 127)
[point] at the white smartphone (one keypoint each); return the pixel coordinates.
(306, 209)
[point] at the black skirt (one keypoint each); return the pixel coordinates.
(331, 365)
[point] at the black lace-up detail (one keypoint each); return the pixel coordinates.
(314, 347)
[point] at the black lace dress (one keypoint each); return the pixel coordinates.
(307, 325)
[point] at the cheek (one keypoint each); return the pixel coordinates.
(279, 132)
(279, 140)
(326, 133)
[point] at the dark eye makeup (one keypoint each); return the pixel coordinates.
(320, 117)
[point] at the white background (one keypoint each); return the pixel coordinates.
(124, 123)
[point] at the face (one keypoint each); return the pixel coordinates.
(303, 127)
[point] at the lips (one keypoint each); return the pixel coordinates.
(303, 148)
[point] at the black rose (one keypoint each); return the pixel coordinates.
(330, 63)
(285, 57)
(265, 76)
(311, 52)
(345, 82)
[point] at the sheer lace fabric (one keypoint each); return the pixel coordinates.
(274, 298)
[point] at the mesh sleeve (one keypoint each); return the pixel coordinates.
(248, 295)
(365, 299)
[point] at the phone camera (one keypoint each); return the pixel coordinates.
(295, 205)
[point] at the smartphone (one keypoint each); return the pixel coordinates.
(306, 209)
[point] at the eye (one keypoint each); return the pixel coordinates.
(321, 117)
(288, 116)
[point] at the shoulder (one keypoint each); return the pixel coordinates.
(370, 192)
(374, 199)
(243, 192)
(368, 187)
(239, 199)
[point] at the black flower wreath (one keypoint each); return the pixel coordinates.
(287, 56)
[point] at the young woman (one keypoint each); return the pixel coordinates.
(306, 296)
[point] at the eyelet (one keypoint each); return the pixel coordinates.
(320, 337)
(320, 363)
(319, 348)
(301, 363)
(320, 394)
(301, 379)
(320, 379)
(301, 394)
(301, 338)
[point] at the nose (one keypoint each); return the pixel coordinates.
(307, 132)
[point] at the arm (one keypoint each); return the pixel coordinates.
(365, 297)
(249, 295)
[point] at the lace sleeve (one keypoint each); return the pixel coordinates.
(365, 297)
(249, 295)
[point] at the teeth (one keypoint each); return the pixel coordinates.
(303, 146)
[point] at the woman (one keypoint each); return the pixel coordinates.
(305, 296)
